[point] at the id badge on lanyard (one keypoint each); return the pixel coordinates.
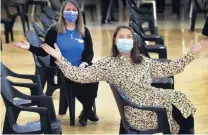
(55, 79)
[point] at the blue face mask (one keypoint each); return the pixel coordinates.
(124, 45)
(70, 16)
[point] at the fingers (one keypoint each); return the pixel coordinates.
(192, 43)
(204, 44)
(47, 48)
(17, 44)
(22, 41)
(55, 45)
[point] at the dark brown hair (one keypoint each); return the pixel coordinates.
(135, 53)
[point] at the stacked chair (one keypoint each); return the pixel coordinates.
(199, 6)
(38, 30)
(15, 102)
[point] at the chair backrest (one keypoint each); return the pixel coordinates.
(5, 7)
(6, 71)
(38, 30)
(119, 98)
(141, 21)
(135, 27)
(33, 38)
(55, 5)
(122, 101)
(46, 22)
(200, 5)
(49, 12)
(141, 45)
(133, 7)
(7, 91)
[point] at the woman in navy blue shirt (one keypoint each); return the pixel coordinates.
(75, 43)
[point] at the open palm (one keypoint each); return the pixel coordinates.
(198, 46)
(56, 53)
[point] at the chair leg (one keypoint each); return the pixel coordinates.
(71, 103)
(1, 45)
(122, 130)
(63, 105)
(27, 21)
(94, 107)
(163, 54)
(12, 35)
(23, 22)
(193, 20)
(49, 90)
(6, 32)
(6, 129)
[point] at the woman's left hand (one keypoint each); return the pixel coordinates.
(198, 46)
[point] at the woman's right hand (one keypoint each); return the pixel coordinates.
(23, 45)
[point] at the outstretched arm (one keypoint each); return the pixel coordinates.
(166, 69)
(94, 73)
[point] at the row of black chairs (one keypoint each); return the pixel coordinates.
(15, 102)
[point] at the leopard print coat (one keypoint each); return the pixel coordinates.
(135, 82)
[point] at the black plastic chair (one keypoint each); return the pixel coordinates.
(50, 13)
(125, 128)
(157, 48)
(7, 20)
(63, 96)
(42, 3)
(48, 123)
(49, 71)
(198, 8)
(21, 8)
(45, 71)
(55, 5)
(39, 31)
(35, 87)
(152, 30)
(46, 22)
(152, 37)
(165, 83)
(34, 40)
(144, 9)
(40, 62)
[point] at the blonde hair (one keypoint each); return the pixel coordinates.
(79, 22)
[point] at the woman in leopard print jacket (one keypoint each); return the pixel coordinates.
(132, 73)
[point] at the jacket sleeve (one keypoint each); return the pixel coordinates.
(48, 40)
(88, 53)
(94, 73)
(167, 69)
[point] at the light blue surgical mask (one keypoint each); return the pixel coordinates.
(70, 16)
(124, 45)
